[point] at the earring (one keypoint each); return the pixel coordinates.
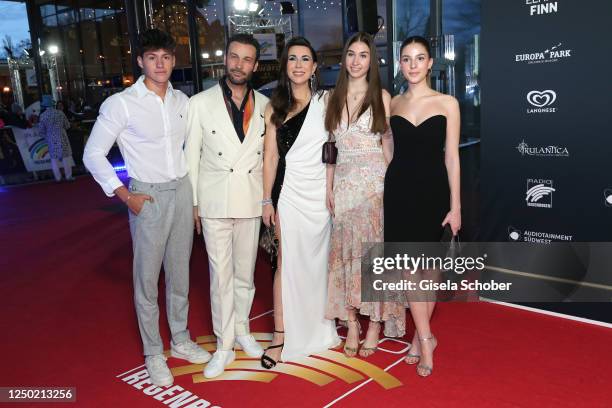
(313, 83)
(289, 94)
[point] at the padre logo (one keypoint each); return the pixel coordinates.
(539, 193)
(538, 237)
(608, 197)
(552, 54)
(541, 101)
(542, 151)
(541, 7)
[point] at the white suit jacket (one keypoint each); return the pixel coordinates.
(226, 175)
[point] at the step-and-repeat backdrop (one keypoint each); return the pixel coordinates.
(546, 169)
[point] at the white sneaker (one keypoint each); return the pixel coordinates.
(159, 373)
(220, 360)
(190, 351)
(250, 346)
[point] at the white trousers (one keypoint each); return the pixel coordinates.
(67, 168)
(231, 245)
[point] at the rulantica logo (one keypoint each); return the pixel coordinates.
(542, 151)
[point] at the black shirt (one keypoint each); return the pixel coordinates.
(236, 113)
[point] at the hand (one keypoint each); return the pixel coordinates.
(268, 215)
(329, 201)
(196, 220)
(454, 219)
(135, 202)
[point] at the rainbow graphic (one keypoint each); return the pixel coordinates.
(39, 150)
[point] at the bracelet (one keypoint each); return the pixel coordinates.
(266, 201)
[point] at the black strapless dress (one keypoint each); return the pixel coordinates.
(417, 196)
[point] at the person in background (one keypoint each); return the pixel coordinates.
(148, 121)
(52, 125)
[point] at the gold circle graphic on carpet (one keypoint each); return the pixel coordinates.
(320, 369)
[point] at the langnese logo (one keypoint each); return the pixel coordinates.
(541, 101)
(538, 237)
(542, 151)
(608, 197)
(541, 7)
(552, 54)
(539, 193)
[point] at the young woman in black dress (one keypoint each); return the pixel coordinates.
(422, 183)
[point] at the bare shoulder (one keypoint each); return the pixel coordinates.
(326, 95)
(386, 97)
(395, 101)
(450, 104)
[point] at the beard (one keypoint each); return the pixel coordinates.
(236, 80)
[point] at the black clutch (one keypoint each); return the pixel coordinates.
(330, 152)
(451, 243)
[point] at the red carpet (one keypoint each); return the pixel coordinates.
(68, 320)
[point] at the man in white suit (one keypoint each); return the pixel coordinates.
(224, 152)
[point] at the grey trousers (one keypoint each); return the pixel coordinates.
(162, 234)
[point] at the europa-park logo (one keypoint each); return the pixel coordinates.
(320, 369)
(551, 54)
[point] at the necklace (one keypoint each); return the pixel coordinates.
(355, 95)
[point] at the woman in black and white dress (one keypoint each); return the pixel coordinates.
(295, 204)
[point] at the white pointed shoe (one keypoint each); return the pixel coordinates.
(190, 351)
(250, 346)
(220, 360)
(159, 373)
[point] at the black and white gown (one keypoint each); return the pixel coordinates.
(299, 196)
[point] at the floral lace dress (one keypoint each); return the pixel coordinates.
(358, 193)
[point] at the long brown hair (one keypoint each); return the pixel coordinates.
(372, 98)
(282, 100)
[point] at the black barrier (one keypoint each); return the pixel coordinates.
(546, 146)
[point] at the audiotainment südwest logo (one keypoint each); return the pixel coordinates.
(538, 237)
(541, 101)
(552, 54)
(542, 151)
(539, 193)
(541, 7)
(320, 369)
(608, 197)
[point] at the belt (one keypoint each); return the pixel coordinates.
(169, 185)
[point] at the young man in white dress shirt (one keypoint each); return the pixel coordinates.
(149, 123)
(224, 153)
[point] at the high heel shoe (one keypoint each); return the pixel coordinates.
(268, 362)
(416, 357)
(427, 370)
(368, 351)
(352, 351)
